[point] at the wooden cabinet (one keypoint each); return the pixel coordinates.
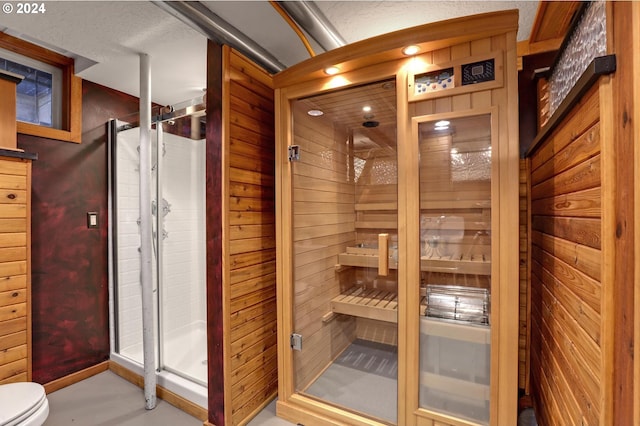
(15, 276)
(397, 211)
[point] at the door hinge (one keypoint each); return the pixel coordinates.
(296, 341)
(294, 152)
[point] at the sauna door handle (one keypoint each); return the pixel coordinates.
(383, 254)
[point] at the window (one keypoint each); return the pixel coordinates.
(38, 95)
(49, 99)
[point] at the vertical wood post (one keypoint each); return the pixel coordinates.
(8, 125)
(623, 139)
(214, 176)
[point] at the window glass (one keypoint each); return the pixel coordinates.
(455, 266)
(38, 95)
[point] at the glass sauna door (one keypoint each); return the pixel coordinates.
(345, 245)
(455, 265)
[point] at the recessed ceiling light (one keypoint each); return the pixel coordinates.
(332, 70)
(389, 85)
(366, 108)
(411, 50)
(315, 112)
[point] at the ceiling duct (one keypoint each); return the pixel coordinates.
(202, 19)
(311, 19)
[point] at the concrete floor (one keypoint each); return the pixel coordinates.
(108, 400)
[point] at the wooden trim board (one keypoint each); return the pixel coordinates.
(76, 377)
(164, 394)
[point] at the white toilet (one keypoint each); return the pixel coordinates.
(23, 404)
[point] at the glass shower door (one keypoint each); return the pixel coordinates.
(179, 252)
(126, 240)
(179, 212)
(345, 243)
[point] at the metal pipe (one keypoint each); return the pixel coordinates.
(201, 18)
(112, 138)
(146, 245)
(294, 26)
(158, 239)
(311, 19)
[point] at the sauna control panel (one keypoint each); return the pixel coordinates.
(478, 72)
(465, 75)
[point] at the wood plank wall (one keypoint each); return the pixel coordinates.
(566, 290)
(252, 368)
(323, 226)
(15, 270)
(465, 200)
(377, 211)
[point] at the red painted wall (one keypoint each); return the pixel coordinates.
(69, 261)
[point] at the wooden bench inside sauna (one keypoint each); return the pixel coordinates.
(455, 228)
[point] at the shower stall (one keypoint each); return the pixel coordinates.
(178, 230)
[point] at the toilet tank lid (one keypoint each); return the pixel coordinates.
(18, 398)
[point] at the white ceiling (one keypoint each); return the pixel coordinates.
(109, 35)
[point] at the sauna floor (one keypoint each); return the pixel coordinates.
(363, 378)
(106, 399)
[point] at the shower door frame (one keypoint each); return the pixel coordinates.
(181, 383)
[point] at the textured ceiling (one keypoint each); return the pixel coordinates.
(108, 36)
(363, 19)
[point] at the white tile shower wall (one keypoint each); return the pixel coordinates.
(183, 292)
(128, 238)
(184, 301)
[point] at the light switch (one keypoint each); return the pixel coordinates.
(92, 219)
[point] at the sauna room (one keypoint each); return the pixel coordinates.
(349, 212)
(433, 226)
(428, 198)
(395, 217)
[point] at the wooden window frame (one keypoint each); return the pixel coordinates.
(71, 130)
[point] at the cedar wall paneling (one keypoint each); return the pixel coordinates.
(69, 261)
(622, 211)
(15, 271)
(566, 290)
(253, 369)
(368, 191)
(323, 226)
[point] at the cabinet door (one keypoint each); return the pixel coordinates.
(455, 254)
(344, 257)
